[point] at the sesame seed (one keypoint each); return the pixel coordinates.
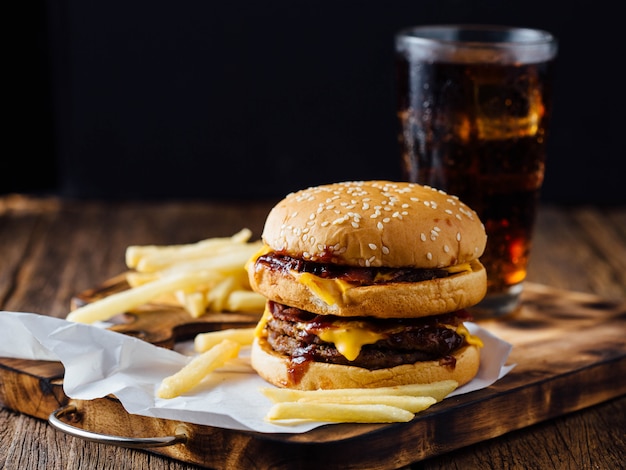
(446, 248)
(429, 255)
(379, 225)
(385, 250)
(423, 237)
(458, 236)
(372, 246)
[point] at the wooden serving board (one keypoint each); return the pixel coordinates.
(569, 349)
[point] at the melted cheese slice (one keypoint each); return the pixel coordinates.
(469, 338)
(262, 251)
(260, 326)
(458, 268)
(329, 290)
(349, 340)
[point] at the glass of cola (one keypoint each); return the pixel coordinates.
(474, 105)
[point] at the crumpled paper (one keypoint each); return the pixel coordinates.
(99, 362)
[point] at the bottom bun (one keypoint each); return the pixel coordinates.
(275, 369)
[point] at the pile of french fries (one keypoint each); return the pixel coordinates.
(356, 405)
(206, 276)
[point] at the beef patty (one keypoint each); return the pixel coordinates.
(294, 332)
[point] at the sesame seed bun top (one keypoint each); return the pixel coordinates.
(376, 223)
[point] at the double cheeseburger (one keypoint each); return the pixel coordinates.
(367, 283)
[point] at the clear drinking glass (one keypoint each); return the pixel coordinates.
(474, 104)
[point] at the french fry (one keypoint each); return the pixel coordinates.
(333, 412)
(182, 275)
(154, 258)
(406, 402)
(437, 390)
(245, 301)
(217, 296)
(200, 366)
(229, 263)
(135, 253)
(136, 279)
(205, 341)
(107, 307)
(194, 302)
(356, 405)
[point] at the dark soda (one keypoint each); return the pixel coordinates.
(478, 131)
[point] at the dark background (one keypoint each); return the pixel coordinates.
(199, 99)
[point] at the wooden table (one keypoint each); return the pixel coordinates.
(51, 249)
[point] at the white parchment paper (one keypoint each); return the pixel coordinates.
(99, 362)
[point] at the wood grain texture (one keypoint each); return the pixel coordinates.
(51, 249)
(560, 340)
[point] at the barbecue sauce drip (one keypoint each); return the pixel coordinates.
(298, 365)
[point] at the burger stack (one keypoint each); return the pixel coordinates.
(367, 285)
